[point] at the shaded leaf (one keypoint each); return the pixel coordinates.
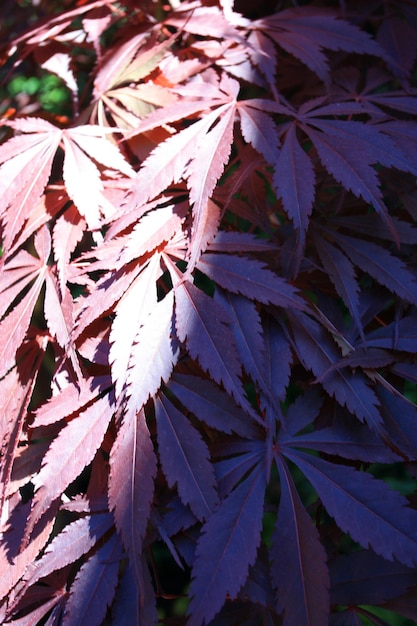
(185, 459)
(364, 507)
(299, 568)
(227, 548)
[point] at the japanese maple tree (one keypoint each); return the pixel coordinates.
(208, 316)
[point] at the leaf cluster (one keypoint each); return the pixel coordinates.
(208, 292)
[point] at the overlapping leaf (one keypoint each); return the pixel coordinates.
(364, 507)
(299, 560)
(185, 459)
(227, 548)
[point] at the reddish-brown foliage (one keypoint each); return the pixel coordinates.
(208, 272)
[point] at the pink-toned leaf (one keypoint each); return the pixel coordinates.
(114, 62)
(132, 310)
(58, 310)
(167, 162)
(72, 450)
(83, 183)
(92, 141)
(205, 21)
(15, 393)
(69, 401)
(103, 297)
(24, 175)
(259, 129)
(76, 539)
(154, 354)
(151, 231)
(60, 64)
(13, 328)
(203, 173)
(67, 233)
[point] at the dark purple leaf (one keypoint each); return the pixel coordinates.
(387, 269)
(230, 471)
(131, 487)
(127, 604)
(76, 539)
(247, 331)
(400, 418)
(318, 352)
(94, 586)
(249, 278)
(342, 273)
(372, 513)
(227, 548)
(294, 181)
(210, 404)
(363, 577)
(278, 358)
(398, 335)
(299, 570)
(185, 459)
(205, 327)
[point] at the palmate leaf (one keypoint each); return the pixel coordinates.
(305, 31)
(278, 357)
(203, 174)
(75, 540)
(203, 324)
(131, 487)
(72, 450)
(294, 180)
(127, 601)
(227, 548)
(299, 568)
(24, 269)
(210, 404)
(94, 586)
(16, 390)
(371, 512)
(345, 440)
(318, 352)
(363, 577)
(387, 269)
(27, 162)
(397, 335)
(185, 459)
(231, 471)
(247, 331)
(250, 278)
(167, 162)
(342, 273)
(154, 354)
(132, 310)
(259, 129)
